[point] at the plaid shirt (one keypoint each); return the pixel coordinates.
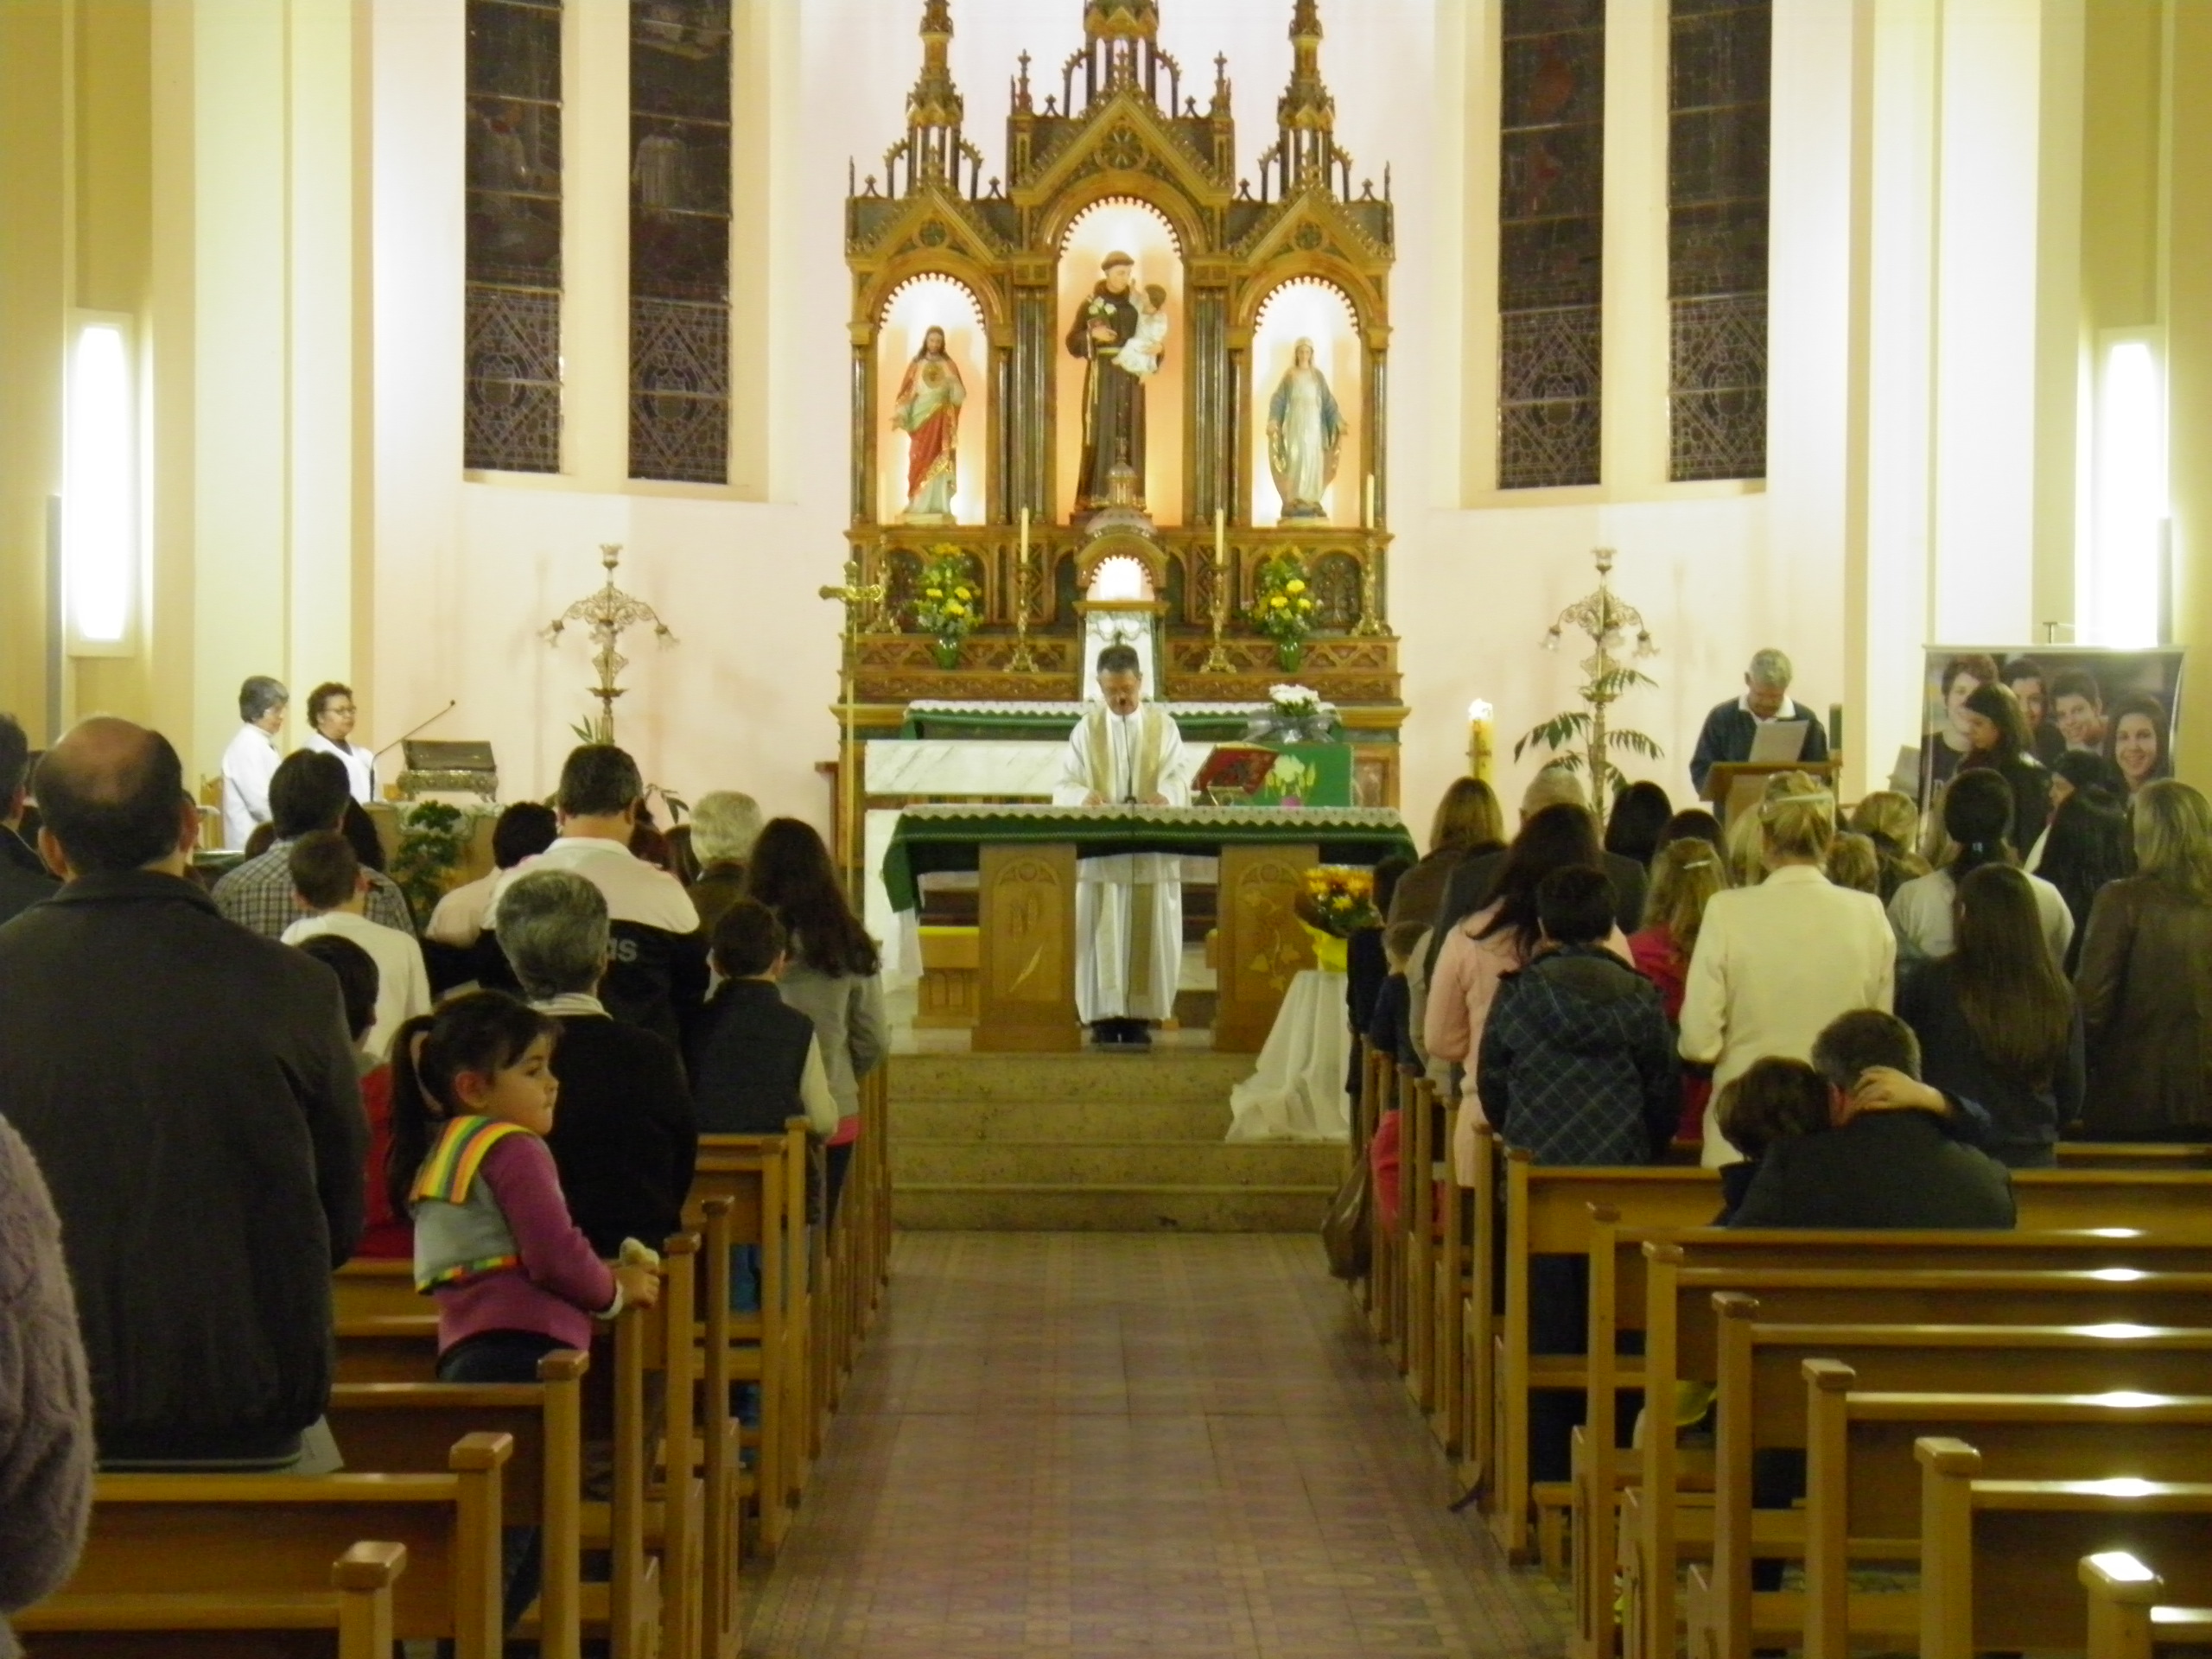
(259, 895)
(1578, 1061)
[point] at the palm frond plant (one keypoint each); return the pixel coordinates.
(1583, 740)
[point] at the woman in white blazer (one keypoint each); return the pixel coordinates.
(1775, 962)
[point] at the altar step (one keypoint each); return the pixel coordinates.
(1091, 1143)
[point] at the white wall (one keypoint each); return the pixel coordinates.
(465, 573)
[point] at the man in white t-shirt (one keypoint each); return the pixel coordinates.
(327, 875)
(250, 760)
(657, 954)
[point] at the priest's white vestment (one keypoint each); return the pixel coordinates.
(1129, 907)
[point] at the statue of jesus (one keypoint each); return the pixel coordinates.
(1113, 397)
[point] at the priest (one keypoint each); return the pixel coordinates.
(1129, 907)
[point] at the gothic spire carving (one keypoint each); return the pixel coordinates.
(1121, 20)
(935, 101)
(1306, 116)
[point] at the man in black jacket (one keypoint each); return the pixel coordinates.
(623, 1138)
(23, 877)
(1473, 879)
(1877, 1167)
(189, 1091)
(1730, 728)
(755, 1064)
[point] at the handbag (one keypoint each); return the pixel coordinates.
(1346, 1230)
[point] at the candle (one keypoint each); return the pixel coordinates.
(1367, 520)
(1025, 538)
(1478, 740)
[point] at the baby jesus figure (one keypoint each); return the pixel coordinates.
(1141, 354)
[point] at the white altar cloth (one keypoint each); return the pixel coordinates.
(1297, 1090)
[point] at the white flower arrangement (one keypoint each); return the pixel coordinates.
(1296, 702)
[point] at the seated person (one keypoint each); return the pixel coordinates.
(623, 1139)
(1888, 1159)
(387, 1235)
(334, 889)
(1578, 1061)
(755, 1061)
(1778, 1099)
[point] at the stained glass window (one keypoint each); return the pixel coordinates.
(512, 350)
(679, 239)
(1551, 236)
(1720, 72)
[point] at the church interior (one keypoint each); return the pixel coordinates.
(1121, 489)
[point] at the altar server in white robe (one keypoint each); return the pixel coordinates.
(1128, 907)
(250, 759)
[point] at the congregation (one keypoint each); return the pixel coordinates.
(508, 1093)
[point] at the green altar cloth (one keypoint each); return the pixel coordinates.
(930, 840)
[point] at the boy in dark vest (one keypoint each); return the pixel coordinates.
(754, 1062)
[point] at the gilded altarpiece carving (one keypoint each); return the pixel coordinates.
(1025, 983)
(1120, 124)
(1262, 947)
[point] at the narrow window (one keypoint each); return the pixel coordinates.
(1551, 236)
(1720, 68)
(679, 240)
(99, 487)
(512, 353)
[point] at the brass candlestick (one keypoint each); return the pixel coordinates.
(1024, 661)
(851, 594)
(1217, 659)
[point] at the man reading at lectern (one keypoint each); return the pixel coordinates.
(1731, 726)
(1129, 907)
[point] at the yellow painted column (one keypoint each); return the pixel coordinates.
(2187, 273)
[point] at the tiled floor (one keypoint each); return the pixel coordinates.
(1119, 1444)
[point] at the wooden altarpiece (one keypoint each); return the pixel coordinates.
(1122, 127)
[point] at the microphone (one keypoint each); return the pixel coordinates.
(404, 736)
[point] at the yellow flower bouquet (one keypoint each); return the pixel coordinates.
(948, 600)
(1336, 902)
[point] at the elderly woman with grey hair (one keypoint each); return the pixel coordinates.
(724, 825)
(624, 1137)
(1730, 728)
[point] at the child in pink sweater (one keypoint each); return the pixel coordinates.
(473, 1097)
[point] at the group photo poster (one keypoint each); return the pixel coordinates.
(2120, 705)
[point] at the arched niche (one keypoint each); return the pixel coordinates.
(1141, 231)
(1309, 308)
(916, 306)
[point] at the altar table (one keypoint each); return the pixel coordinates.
(1199, 722)
(1026, 856)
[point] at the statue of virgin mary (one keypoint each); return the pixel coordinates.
(1305, 436)
(928, 412)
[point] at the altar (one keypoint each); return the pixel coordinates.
(1026, 857)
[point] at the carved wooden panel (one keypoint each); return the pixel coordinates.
(1025, 980)
(1262, 945)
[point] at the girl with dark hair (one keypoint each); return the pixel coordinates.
(1978, 818)
(1640, 815)
(472, 1095)
(835, 977)
(2137, 742)
(1999, 740)
(2086, 847)
(1997, 1021)
(1693, 824)
(1498, 939)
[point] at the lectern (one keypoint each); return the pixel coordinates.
(1734, 785)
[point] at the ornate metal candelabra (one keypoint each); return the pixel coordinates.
(1608, 621)
(608, 614)
(1218, 659)
(1024, 661)
(1370, 596)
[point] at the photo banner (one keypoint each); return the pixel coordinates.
(2119, 704)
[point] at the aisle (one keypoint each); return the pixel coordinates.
(1122, 1444)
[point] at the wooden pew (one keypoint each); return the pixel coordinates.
(1547, 1212)
(753, 1174)
(2132, 1154)
(1995, 1553)
(354, 1615)
(2170, 1201)
(2128, 1616)
(249, 1537)
(1448, 1415)
(1863, 1481)
(1417, 1159)
(402, 1428)
(1618, 1301)
(1682, 1343)
(366, 1289)
(1762, 1405)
